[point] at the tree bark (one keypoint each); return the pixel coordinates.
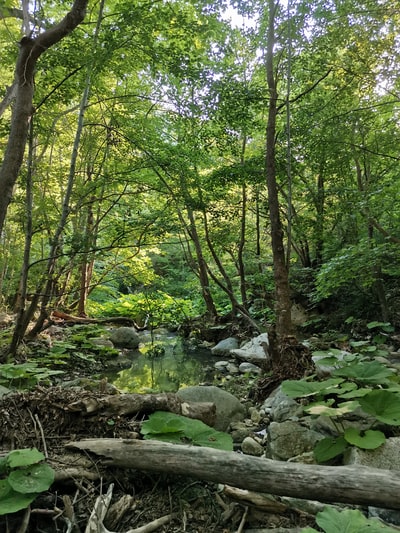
(349, 484)
(30, 51)
(284, 326)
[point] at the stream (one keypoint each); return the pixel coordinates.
(164, 363)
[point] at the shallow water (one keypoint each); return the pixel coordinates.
(180, 366)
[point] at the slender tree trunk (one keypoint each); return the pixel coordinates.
(30, 51)
(284, 326)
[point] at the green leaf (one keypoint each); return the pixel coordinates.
(163, 422)
(35, 478)
(24, 457)
(169, 427)
(302, 388)
(366, 372)
(11, 501)
(348, 521)
(383, 405)
(368, 440)
(329, 448)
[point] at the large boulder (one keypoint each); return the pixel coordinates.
(125, 337)
(228, 407)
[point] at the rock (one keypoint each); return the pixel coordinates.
(386, 456)
(239, 431)
(389, 516)
(228, 407)
(253, 351)
(225, 346)
(289, 439)
(102, 341)
(280, 407)
(252, 447)
(249, 368)
(125, 337)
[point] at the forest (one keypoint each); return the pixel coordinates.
(192, 163)
(206, 157)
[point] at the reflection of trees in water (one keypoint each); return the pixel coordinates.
(176, 369)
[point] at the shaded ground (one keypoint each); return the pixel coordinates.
(46, 419)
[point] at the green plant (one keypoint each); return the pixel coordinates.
(25, 375)
(355, 383)
(169, 427)
(23, 476)
(330, 520)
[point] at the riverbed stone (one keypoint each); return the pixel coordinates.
(253, 351)
(228, 407)
(386, 456)
(125, 337)
(289, 439)
(252, 447)
(280, 407)
(225, 346)
(249, 368)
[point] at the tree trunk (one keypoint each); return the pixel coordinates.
(284, 326)
(350, 484)
(30, 51)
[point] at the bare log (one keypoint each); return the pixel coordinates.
(355, 485)
(130, 404)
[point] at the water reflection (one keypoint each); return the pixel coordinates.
(178, 367)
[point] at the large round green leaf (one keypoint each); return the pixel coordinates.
(329, 448)
(11, 501)
(383, 405)
(368, 440)
(35, 478)
(24, 457)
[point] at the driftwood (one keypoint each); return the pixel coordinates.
(349, 484)
(130, 404)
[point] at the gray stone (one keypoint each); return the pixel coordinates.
(225, 346)
(389, 516)
(289, 439)
(102, 341)
(254, 350)
(228, 407)
(249, 368)
(280, 407)
(125, 337)
(252, 447)
(386, 456)
(239, 431)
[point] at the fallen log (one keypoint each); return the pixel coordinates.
(130, 404)
(348, 484)
(56, 316)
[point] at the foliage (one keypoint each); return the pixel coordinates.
(25, 375)
(158, 307)
(331, 520)
(23, 476)
(169, 427)
(355, 383)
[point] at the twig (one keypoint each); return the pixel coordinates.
(243, 521)
(42, 435)
(152, 526)
(95, 524)
(25, 521)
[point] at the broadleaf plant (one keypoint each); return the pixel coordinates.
(25, 477)
(177, 429)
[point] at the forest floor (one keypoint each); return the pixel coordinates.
(139, 498)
